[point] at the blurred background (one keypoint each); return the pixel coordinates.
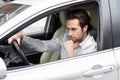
(3, 2)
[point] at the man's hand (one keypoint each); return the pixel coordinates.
(69, 47)
(18, 37)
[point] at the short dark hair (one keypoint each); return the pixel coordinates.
(82, 16)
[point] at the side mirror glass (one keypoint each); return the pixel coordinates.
(3, 69)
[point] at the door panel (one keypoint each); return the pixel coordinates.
(96, 67)
(99, 66)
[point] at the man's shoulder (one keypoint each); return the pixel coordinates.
(88, 41)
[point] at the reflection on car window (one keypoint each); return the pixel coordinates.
(9, 11)
(36, 27)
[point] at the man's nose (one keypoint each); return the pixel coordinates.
(70, 33)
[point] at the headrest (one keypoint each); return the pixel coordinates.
(63, 15)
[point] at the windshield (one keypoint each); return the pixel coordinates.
(10, 10)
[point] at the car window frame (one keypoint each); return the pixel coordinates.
(115, 16)
(105, 29)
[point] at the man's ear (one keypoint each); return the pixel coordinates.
(85, 28)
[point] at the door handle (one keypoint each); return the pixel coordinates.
(98, 69)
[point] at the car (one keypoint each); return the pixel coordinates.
(42, 19)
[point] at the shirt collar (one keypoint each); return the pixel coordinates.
(84, 41)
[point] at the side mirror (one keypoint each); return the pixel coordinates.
(3, 69)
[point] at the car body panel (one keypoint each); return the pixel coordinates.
(3, 69)
(117, 55)
(69, 69)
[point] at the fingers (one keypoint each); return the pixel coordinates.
(10, 40)
(69, 43)
(19, 40)
(17, 37)
(69, 48)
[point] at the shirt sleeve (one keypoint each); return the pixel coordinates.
(41, 45)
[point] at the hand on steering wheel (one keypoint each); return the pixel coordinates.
(20, 52)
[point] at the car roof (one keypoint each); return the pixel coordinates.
(35, 2)
(27, 2)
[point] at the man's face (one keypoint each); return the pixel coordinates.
(75, 32)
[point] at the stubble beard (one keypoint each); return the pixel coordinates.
(79, 40)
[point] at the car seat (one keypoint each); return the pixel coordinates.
(55, 55)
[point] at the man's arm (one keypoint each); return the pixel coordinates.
(41, 45)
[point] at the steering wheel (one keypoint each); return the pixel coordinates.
(20, 52)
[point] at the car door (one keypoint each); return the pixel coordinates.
(97, 66)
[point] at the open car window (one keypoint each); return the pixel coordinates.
(46, 27)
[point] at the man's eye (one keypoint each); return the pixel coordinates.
(73, 29)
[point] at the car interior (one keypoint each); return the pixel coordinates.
(92, 11)
(54, 27)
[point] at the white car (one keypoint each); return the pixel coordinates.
(40, 19)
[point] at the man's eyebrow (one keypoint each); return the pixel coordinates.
(73, 28)
(67, 28)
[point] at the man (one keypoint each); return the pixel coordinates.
(74, 42)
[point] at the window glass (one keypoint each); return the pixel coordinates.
(36, 28)
(9, 11)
